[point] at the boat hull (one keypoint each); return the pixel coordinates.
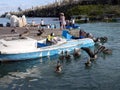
(47, 51)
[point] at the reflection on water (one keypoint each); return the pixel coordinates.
(39, 74)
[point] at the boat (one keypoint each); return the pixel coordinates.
(16, 49)
(80, 18)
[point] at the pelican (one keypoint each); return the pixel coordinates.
(76, 52)
(58, 68)
(67, 55)
(103, 39)
(25, 33)
(13, 31)
(88, 63)
(90, 53)
(107, 51)
(62, 56)
(40, 31)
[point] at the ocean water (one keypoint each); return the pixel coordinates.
(39, 74)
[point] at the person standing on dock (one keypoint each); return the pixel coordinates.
(62, 21)
(42, 22)
(33, 23)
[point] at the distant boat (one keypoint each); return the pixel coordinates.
(16, 49)
(80, 18)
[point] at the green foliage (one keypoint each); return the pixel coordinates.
(110, 9)
(72, 9)
(86, 10)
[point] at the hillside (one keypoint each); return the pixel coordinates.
(91, 9)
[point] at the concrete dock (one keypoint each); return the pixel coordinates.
(33, 31)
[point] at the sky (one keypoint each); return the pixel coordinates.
(12, 5)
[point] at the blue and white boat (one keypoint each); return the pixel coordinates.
(14, 48)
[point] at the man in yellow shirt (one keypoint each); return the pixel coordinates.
(50, 39)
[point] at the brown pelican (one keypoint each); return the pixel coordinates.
(13, 30)
(67, 55)
(93, 55)
(105, 50)
(88, 63)
(25, 33)
(62, 56)
(58, 68)
(89, 52)
(103, 39)
(40, 31)
(76, 52)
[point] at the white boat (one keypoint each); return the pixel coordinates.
(14, 48)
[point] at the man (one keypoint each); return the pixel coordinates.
(50, 39)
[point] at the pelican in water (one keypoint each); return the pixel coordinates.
(93, 55)
(103, 39)
(77, 52)
(58, 68)
(62, 56)
(88, 63)
(100, 40)
(106, 50)
(67, 55)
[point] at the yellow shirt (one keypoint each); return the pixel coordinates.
(49, 37)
